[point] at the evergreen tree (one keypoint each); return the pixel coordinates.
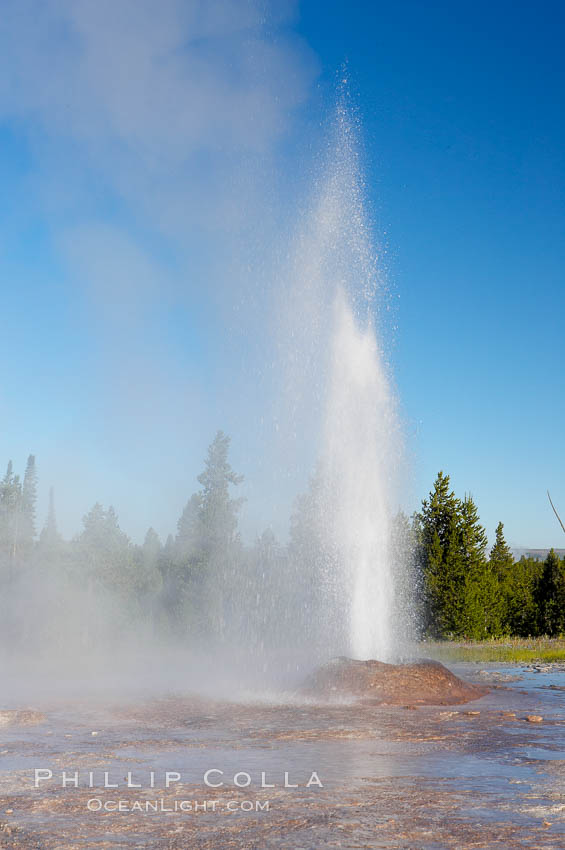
(173, 594)
(49, 536)
(51, 555)
(186, 572)
(442, 567)
(151, 549)
(483, 604)
(453, 579)
(218, 511)
(551, 597)
(104, 549)
(474, 536)
(501, 563)
(501, 558)
(10, 504)
(463, 596)
(147, 581)
(106, 573)
(189, 537)
(220, 547)
(521, 599)
(27, 509)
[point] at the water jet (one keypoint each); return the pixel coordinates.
(348, 580)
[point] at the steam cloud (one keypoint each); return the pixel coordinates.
(150, 134)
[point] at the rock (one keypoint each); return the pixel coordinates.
(13, 717)
(534, 718)
(372, 682)
(496, 676)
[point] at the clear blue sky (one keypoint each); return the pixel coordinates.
(143, 144)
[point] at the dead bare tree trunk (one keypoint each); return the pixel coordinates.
(555, 511)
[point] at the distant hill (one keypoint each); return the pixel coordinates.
(537, 554)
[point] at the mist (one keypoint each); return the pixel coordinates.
(226, 451)
(154, 148)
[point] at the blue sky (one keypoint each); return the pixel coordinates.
(148, 162)
(464, 131)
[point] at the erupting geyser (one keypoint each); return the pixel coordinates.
(336, 371)
(359, 430)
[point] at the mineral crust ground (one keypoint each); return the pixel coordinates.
(411, 775)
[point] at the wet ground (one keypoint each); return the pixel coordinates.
(478, 775)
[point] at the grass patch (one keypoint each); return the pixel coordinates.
(510, 650)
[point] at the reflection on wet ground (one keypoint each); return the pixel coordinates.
(477, 775)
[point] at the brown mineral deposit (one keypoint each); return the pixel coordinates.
(377, 683)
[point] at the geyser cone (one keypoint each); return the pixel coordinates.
(423, 682)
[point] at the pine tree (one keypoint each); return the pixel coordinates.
(462, 591)
(10, 505)
(104, 549)
(218, 511)
(501, 563)
(27, 508)
(220, 542)
(147, 581)
(189, 528)
(184, 572)
(441, 564)
(151, 549)
(6, 515)
(551, 596)
(522, 598)
(437, 512)
(482, 599)
(501, 558)
(50, 537)
(94, 532)
(172, 596)
(106, 571)
(56, 574)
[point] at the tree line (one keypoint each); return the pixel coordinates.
(468, 592)
(204, 584)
